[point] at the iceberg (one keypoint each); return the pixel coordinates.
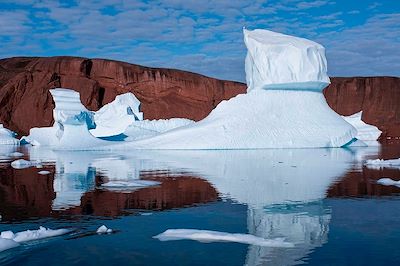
(283, 108)
(365, 132)
(72, 122)
(7, 137)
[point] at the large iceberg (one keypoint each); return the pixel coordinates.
(283, 108)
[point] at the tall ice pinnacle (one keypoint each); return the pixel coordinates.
(279, 61)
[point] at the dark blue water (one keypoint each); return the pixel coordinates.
(324, 201)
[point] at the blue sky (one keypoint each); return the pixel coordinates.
(362, 37)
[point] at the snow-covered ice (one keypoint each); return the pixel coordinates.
(21, 164)
(365, 131)
(388, 182)
(215, 236)
(7, 137)
(103, 230)
(9, 239)
(279, 61)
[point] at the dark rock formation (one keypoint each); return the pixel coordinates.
(377, 97)
(164, 93)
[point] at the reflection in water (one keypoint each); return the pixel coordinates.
(283, 189)
(306, 226)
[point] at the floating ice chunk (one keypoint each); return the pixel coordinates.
(364, 131)
(7, 137)
(7, 244)
(380, 163)
(43, 172)
(278, 61)
(104, 230)
(41, 233)
(113, 118)
(10, 240)
(388, 182)
(119, 184)
(21, 164)
(215, 236)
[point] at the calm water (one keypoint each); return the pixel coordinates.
(324, 201)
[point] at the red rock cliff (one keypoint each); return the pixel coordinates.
(164, 93)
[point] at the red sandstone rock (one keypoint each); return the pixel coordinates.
(25, 101)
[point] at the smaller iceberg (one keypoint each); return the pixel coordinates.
(72, 122)
(7, 137)
(365, 132)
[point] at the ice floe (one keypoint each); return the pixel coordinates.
(9, 239)
(215, 236)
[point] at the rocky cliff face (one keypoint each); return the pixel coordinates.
(25, 101)
(377, 97)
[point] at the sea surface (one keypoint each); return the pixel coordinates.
(326, 202)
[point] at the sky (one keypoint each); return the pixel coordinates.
(361, 37)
